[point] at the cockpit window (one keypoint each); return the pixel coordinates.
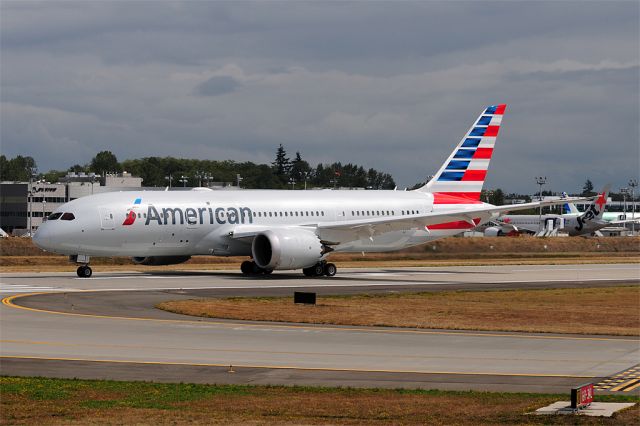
(67, 216)
(54, 216)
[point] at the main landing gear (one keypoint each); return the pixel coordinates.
(249, 267)
(319, 269)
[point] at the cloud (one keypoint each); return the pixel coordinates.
(391, 86)
(218, 85)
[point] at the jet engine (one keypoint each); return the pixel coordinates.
(286, 249)
(493, 231)
(160, 260)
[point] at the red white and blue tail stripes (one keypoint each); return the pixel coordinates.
(460, 179)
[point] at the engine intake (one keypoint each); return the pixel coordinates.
(160, 260)
(286, 249)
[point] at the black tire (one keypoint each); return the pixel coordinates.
(318, 269)
(84, 272)
(308, 272)
(247, 267)
(267, 271)
(330, 269)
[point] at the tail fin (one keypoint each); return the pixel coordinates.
(461, 177)
(570, 208)
(595, 210)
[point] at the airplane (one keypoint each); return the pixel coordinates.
(612, 218)
(573, 223)
(281, 229)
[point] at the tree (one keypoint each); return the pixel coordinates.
(17, 169)
(496, 197)
(282, 165)
(77, 168)
(300, 169)
(105, 162)
(587, 189)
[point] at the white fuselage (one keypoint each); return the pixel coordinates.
(202, 222)
(570, 223)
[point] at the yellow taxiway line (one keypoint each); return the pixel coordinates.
(9, 301)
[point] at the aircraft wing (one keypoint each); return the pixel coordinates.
(471, 215)
(343, 231)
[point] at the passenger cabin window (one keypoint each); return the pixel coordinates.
(67, 216)
(54, 216)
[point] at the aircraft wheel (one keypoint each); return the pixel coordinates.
(247, 267)
(267, 271)
(318, 269)
(308, 272)
(330, 269)
(84, 271)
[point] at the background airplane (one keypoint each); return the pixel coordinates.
(573, 223)
(282, 230)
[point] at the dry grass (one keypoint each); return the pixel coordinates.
(81, 402)
(590, 310)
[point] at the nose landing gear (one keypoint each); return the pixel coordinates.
(84, 271)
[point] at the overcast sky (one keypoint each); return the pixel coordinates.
(390, 85)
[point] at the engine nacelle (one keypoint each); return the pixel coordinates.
(493, 231)
(160, 260)
(286, 249)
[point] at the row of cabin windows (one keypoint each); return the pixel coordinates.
(318, 213)
(381, 212)
(288, 214)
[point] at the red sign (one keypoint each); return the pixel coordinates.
(582, 396)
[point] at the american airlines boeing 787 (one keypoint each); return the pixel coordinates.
(281, 230)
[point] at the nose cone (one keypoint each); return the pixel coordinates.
(42, 237)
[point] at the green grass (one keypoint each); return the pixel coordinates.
(33, 400)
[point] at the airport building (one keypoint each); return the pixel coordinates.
(24, 205)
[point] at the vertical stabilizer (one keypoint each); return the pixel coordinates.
(596, 209)
(461, 177)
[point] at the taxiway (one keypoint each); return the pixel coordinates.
(107, 327)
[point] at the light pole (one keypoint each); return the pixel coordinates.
(540, 180)
(43, 204)
(633, 183)
(305, 175)
(238, 179)
(292, 182)
(624, 192)
(184, 181)
(169, 178)
(30, 193)
(29, 202)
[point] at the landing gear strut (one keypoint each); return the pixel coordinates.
(249, 267)
(319, 269)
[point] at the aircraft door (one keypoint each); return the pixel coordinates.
(107, 221)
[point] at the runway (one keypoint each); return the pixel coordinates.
(106, 327)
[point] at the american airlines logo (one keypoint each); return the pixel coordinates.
(191, 215)
(199, 215)
(131, 214)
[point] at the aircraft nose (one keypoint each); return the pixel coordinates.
(42, 237)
